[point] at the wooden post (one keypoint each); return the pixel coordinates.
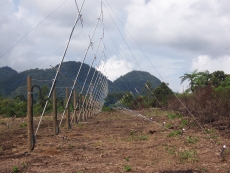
(75, 106)
(29, 114)
(67, 109)
(82, 108)
(91, 109)
(86, 109)
(55, 112)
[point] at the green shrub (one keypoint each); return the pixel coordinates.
(143, 138)
(184, 122)
(23, 125)
(127, 168)
(188, 155)
(127, 159)
(107, 109)
(173, 116)
(174, 133)
(15, 169)
(171, 150)
(168, 125)
(192, 140)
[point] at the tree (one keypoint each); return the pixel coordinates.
(147, 89)
(113, 98)
(162, 93)
(45, 91)
(127, 99)
(217, 78)
(202, 79)
(20, 97)
(226, 82)
(191, 78)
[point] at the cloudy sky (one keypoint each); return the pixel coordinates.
(167, 38)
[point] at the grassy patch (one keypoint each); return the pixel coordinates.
(168, 126)
(23, 125)
(192, 140)
(127, 159)
(107, 109)
(171, 150)
(173, 116)
(204, 170)
(132, 133)
(15, 169)
(211, 137)
(136, 136)
(79, 125)
(127, 168)
(184, 122)
(129, 139)
(155, 112)
(71, 145)
(188, 155)
(142, 137)
(210, 131)
(174, 133)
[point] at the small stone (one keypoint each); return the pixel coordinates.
(152, 131)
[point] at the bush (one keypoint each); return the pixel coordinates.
(107, 109)
(15, 169)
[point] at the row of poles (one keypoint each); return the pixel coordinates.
(87, 105)
(84, 106)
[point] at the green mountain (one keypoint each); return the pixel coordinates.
(13, 84)
(135, 81)
(6, 72)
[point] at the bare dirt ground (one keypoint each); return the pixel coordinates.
(115, 142)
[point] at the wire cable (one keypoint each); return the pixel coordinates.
(32, 30)
(75, 81)
(59, 67)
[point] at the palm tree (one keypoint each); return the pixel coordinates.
(202, 78)
(190, 77)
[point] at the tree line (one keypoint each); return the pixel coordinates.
(148, 97)
(207, 96)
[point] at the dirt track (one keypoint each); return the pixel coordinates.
(113, 142)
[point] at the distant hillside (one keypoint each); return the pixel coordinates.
(135, 79)
(13, 83)
(6, 72)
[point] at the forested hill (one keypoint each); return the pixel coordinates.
(135, 79)
(6, 72)
(13, 83)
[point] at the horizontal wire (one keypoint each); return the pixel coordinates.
(163, 80)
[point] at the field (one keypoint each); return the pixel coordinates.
(116, 142)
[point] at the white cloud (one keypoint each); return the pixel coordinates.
(115, 67)
(171, 33)
(205, 62)
(191, 25)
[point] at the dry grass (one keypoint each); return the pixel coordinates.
(113, 142)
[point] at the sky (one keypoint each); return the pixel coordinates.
(166, 38)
